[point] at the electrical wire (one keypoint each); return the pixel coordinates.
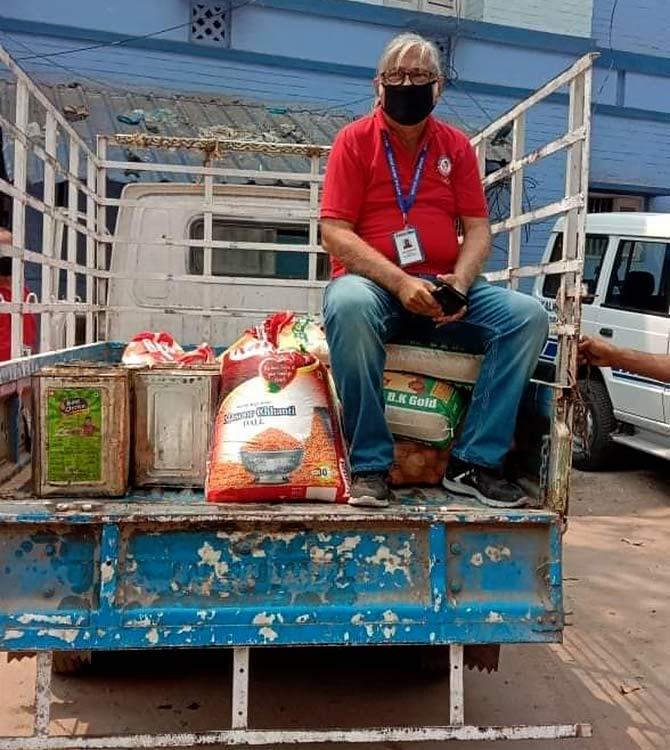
(610, 42)
(78, 74)
(126, 40)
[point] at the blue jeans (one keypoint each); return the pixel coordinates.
(507, 327)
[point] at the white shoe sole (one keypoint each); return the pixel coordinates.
(368, 501)
(463, 489)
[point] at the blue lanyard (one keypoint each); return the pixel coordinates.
(405, 202)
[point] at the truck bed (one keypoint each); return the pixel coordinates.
(163, 569)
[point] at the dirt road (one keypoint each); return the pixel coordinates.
(613, 669)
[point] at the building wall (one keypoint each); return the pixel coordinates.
(641, 26)
(571, 17)
(132, 17)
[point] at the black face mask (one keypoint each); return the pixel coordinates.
(408, 105)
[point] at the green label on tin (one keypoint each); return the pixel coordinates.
(74, 452)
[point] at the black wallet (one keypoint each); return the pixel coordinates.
(449, 299)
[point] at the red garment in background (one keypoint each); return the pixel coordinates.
(29, 324)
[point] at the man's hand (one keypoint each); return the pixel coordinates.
(415, 295)
(597, 352)
(460, 285)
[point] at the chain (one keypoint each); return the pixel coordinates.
(216, 147)
(544, 463)
(580, 421)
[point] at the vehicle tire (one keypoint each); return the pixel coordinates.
(71, 662)
(594, 424)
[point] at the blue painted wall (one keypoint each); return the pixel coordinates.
(563, 17)
(128, 17)
(641, 26)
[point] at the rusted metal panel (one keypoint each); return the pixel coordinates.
(173, 414)
(48, 575)
(82, 431)
(348, 566)
(157, 585)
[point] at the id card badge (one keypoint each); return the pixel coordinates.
(408, 247)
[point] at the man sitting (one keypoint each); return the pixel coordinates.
(397, 182)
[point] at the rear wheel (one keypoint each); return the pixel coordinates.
(593, 426)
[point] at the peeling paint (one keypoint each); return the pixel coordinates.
(389, 630)
(477, 559)
(390, 616)
(107, 572)
(210, 556)
(185, 629)
(152, 636)
(50, 619)
(263, 618)
(67, 635)
(302, 619)
(12, 635)
(432, 637)
(268, 633)
(140, 622)
(494, 617)
(393, 562)
(321, 555)
(437, 603)
(497, 554)
(357, 619)
(348, 545)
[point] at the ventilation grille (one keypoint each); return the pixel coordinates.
(210, 23)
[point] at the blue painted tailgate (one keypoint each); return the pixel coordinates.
(159, 570)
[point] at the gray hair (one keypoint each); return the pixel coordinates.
(403, 43)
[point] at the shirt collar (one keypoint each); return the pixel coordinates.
(382, 124)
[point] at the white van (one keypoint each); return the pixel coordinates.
(627, 279)
(160, 214)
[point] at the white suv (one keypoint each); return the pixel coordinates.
(627, 278)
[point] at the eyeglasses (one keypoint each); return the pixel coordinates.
(417, 76)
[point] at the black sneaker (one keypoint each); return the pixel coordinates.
(370, 490)
(486, 485)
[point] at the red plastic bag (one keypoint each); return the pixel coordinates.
(277, 435)
(203, 355)
(149, 348)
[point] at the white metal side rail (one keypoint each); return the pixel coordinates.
(91, 225)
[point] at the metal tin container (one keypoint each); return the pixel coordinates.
(173, 418)
(82, 431)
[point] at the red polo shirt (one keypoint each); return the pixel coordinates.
(358, 189)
